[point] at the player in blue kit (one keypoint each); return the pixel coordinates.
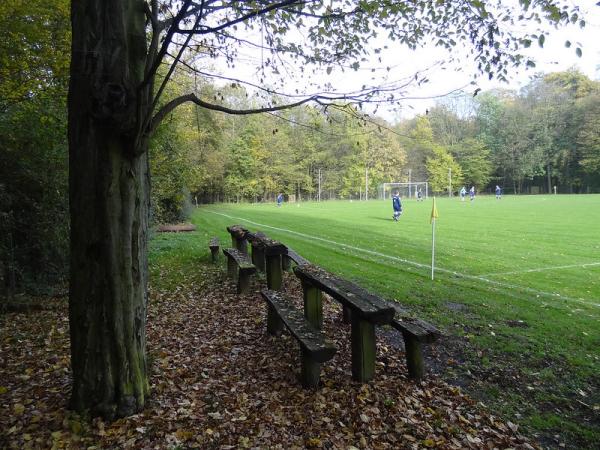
(397, 205)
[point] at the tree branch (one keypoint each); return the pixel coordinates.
(258, 12)
(170, 106)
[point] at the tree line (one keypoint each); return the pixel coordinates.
(528, 141)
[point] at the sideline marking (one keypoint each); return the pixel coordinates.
(542, 269)
(416, 264)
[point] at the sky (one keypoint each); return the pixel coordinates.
(447, 78)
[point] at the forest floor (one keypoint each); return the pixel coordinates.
(219, 381)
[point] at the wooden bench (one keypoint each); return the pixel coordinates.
(415, 333)
(214, 248)
(315, 349)
(240, 261)
(367, 310)
(238, 238)
(290, 256)
(268, 253)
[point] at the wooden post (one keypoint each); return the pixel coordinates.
(313, 305)
(241, 244)
(363, 349)
(414, 357)
(231, 267)
(214, 253)
(243, 282)
(274, 274)
(346, 314)
(258, 257)
(311, 371)
(274, 282)
(286, 263)
(274, 323)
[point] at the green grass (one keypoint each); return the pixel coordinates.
(526, 268)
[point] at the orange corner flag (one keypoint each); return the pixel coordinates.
(434, 211)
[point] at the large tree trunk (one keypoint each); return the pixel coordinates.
(109, 203)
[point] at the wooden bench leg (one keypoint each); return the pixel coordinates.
(414, 357)
(274, 274)
(231, 268)
(286, 263)
(258, 258)
(241, 245)
(243, 282)
(214, 253)
(346, 314)
(363, 349)
(274, 323)
(310, 375)
(313, 305)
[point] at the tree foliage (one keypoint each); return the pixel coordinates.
(34, 60)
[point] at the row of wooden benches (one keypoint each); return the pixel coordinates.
(362, 309)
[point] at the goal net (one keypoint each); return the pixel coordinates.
(406, 190)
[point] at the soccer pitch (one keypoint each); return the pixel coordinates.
(530, 259)
(541, 248)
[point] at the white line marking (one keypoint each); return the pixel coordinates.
(542, 269)
(555, 296)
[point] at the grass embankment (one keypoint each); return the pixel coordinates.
(517, 281)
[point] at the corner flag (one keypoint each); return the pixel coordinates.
(434, 215)
(434, 212)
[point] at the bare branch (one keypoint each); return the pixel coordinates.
(170, 106)
(154, 63)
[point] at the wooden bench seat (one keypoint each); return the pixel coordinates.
(366, 311)
(315, 349)
(214, 248)
(415, 333)
(239, 268)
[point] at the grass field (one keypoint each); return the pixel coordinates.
(517, 279)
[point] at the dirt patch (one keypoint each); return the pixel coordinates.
(184, 227)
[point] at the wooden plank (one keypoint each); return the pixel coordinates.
(299, 260)
(416, 328)
(366, 305)
(241, 259)
(312, 341)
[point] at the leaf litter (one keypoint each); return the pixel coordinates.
(219, 381)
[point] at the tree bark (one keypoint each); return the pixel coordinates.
(109, 204)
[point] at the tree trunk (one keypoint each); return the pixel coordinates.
(109, 204)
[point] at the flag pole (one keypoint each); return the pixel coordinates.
(434, 215)
(432, 247)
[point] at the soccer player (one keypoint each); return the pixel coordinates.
(463, 192)
(472, 193)
(419, 195)
(397, 205)
(498, 192)
(279, 199)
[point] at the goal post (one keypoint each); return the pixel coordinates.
(406, 190)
